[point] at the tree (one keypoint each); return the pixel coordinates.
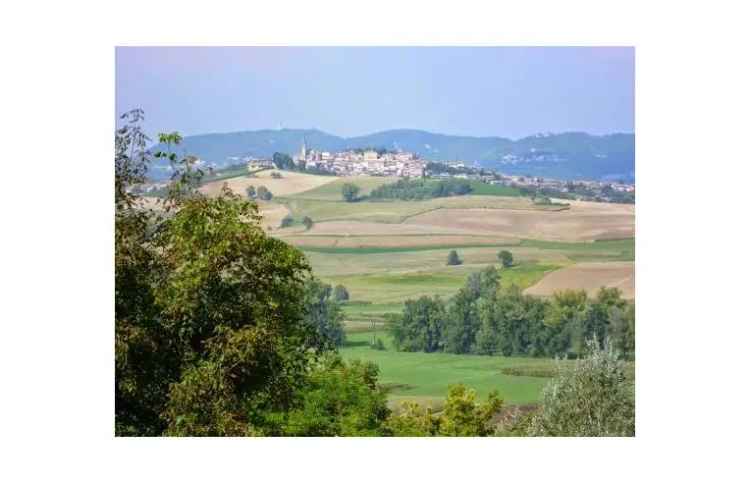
(420, 326)
(283, 161)
(349, 192)
(210, 327)
(462, 323)
(594, 398)
(307, 221)
(264, 194)
(453, 258)
(275, 175)
(287, 221)
(622, 330)
(506, 258)
(250, 191)
(564, 318)
(596, 321)
(323, 313)
(340, 294)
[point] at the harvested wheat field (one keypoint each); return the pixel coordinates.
(299, 239)
(290, 183)
(350, 228)
(582, 222)
(272, 214)
(589, 277)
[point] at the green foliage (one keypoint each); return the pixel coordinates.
(275, 175)
(378, 345)
(463, 321)
(420, 327)
(506, 258)
(307, 221)
(461, 416)
(337, 399)
(421, 189)
(340, 294)
(209, 313)
(250, 191)
(283, 161)
(412, 420)
(264, 194)
(349, 192)
(594, 398)
(323, 313)
(482, 318)
(453, 258)
(622, 330)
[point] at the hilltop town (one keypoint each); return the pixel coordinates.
(404, 164)
(354, 162)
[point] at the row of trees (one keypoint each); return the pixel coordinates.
(421, 189)
(288, 220)
(484, 318)
(262, 193)
(504, 256)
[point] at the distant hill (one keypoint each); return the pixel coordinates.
(568, 155)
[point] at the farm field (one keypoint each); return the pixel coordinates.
(332, 191)
(589, 276)
(426, 377)
(291, 182)
(386, 252)
(380, 279)
(399, 211)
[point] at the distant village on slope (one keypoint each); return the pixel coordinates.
(382, 162)
(370, 162)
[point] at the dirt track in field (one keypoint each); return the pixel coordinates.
(590, 277)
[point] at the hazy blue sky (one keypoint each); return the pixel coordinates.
(510, 92)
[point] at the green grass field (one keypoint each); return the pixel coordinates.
(480, 188)
(426, 377)
(600, 250)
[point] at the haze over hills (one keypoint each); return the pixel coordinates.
(572, 155)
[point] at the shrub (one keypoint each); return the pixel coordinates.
(307, 221)
(276, 175)
(349, 192)
(461, 416)
(338, 399)
(453, 258)
(378, 345)
(506, 258)
(593, 398)
(340, 294)
(287, 221)
(264, 194)
(251, 192)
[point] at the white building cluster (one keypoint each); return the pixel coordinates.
(354, 163)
